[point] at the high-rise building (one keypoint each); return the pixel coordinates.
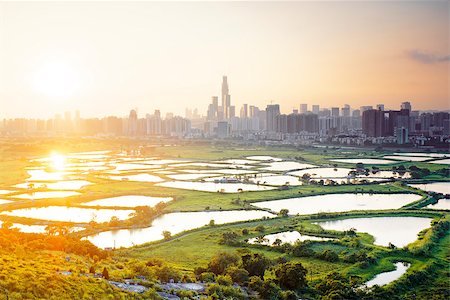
(346, 110)
(244, 111)
(335, 111)
(223, 129)
(281, 123)
(231, 111)
(373, 123)
(315, 109)
(406, 105)
(366, 107)
(401, 134)
(226, 99)
(132, 123)
(213, 109)
(380, 106)
(303, 108)
(272, 111)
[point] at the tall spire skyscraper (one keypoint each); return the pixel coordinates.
(225, 98)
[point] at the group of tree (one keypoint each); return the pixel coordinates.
(247, 271)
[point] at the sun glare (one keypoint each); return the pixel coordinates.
(56, 79)
(58, 161)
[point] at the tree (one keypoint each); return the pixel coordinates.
(92, 270)
(167, 235)
(260, 228)
(291, 276)
(283, 212)
(237, 274)
(277, 243)
(255, 264)
(105, 273)
(7, 225)
(221, 261)
(114, 222)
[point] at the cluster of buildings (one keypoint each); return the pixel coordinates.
(343, 125)
(131, 126)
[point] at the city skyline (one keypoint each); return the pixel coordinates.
(79, 57)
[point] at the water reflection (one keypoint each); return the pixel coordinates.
(128, 201)
(399, 231)
(174, 223)
(289, 237)
(70, 214)
(388, 277)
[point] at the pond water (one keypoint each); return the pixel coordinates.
(163, 161)
(277, 180)
(128, 201)
(369, 161)
(339, 203)
(407, 158)
(441, 161)
(191, 176)
(436, 155)
(174, 223)
(441, 204)
(215, 187)
(138, 177)
(69, 214)
(237, 161)
(4, 192)
(202, 164)
(264, 158)
(59, 185)
(323, 172)
(437, 187)
(38, 228)
(388, 277)
(399, 231)
(41, 175)
(289, 237)
(119, 167)
(286, 166)
(45, 195)
(2, 201)
(234, 171)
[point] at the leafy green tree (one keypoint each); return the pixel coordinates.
(238, 275)
(255, 264)
(221, 261)
(291, 276)
(283, 212)
(167, 235)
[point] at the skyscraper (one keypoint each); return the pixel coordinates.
(272, 111)
(244, 111)
(406, 105)
(373, 122)
(335, 111)
(132, 123)
(315, 109)
(225, 98)
(346, 110)
(303, 108)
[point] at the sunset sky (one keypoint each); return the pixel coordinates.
(106, 58)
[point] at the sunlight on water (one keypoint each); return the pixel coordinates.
(58, 161)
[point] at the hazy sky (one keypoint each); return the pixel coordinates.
(106, 58)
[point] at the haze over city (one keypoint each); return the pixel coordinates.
(106, 58)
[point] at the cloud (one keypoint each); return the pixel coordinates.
(426, 57)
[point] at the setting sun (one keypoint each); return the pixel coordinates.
(57, 161)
